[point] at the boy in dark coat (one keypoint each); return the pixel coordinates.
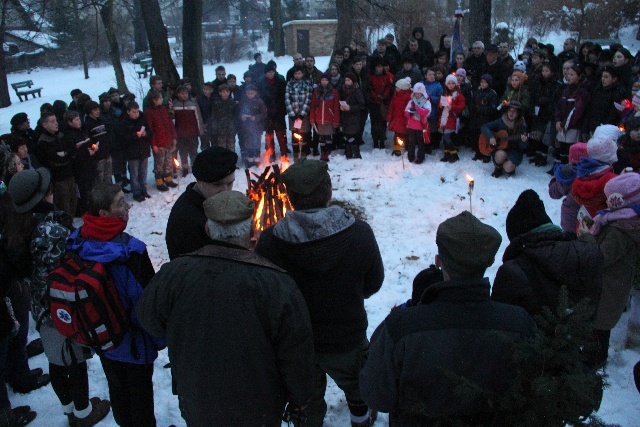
(136, 149)
(253, 113)
(224, 120)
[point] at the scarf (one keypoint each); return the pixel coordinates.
(606, 216)
(419, 102)
(587, 166)
(101, 228)
(335, 80)
(547, 228)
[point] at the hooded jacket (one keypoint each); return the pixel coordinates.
(325, 106)
(396, 117)
(335, 261)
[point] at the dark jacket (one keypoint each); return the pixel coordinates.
(601, 109)
(272, 92)
(456, 330)
(97, 130)
(336, 263)
(57, 155)
(206, 104)
(483, 107)
(224, 118)
(544, 94)
(572, 105)
(475, 66)
(135, 147)
(256, 328)
(537, 264)
(350, 120)
(185, 227)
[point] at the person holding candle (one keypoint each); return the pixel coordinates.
(452, 102)
(396, 116)
(417, 113)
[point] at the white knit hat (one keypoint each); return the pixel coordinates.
(419, 87)
(451, 78)
(404, 84)
(603, 145)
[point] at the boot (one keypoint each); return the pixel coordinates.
(355, 149)
(497, 172)
(34, 382)
(373, 416)
(478, 156)
(35, 348)
(428, 149)
(99, 409)
(18, 416)
(324, 152)
(446, 157)
(168, 181)
(185, 171)
(540, 159)
(160, 185)
(453, 157)
(348, 150)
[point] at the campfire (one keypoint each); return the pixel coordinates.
(268, 194)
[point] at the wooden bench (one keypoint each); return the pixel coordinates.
(18, 87)
(146, 68)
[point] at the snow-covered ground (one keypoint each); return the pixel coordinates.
(403, 205)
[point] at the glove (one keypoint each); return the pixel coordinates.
(294, 415)
(566, 171)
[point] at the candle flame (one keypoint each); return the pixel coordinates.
(94, 147)
(176, 163)
(621, 127)
(297, 136)
(400, 141)
(469, 178)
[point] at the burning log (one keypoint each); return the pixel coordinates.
(269, 196)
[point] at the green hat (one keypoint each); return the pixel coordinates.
(305, 175)
(466, 245)
(228, 207)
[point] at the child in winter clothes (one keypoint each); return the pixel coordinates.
(84, 167)
(417, 113)
(136, 149)
(189, 126)
(560, 186)
(101, 142)
(396, 117)
(506, 160)
(381, 83)
(163, 140)
(485, 101)
(570, 111)
(517, 92)
(601, 109)
(545, 91)
(629, 146)
(434, 90)
(451, 105)
(352, 105)
(595, 171)
(325, 114)
(224, 117)
(253, 113)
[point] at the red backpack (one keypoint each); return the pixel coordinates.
(85, 305)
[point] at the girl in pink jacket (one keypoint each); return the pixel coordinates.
(417, 112)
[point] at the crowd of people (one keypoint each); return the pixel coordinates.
(253, 334)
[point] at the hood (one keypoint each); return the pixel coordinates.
(118, 249)
(312, 224)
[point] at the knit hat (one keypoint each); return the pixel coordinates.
(603, 145)
(466, 246)
(28, 188)
(228, 207)
(214, 164)
(487, 78)
(636, 99)
(521, 75)
(419, 87)
(304, 175)
(527, 214)
(491, 48)
(269, 67)
(577, 150)
(19, 119)
(404, 84)
(326, 75)
(451, 78)
(623, 191)
(527, 51)
(461, 72)
(520, 66)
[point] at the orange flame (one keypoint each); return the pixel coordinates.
(94, 147)
(621, 127)
(284, 163)
(176, 163)
(469, 178)
(297, 136)
(257, 217)
(266, 157)
(400, 141)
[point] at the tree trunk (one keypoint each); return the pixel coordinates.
(81, 40)
(158, 43)
(139, 35)
(106, 13)
(277, 33)
(5, 97)
(344, 32)
(480, 21)
(192, 43)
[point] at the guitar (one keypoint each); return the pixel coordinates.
(502, 141)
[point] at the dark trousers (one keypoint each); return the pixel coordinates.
(269, 141)
(17, 367)
(71, 384)
(378, 126)
(130, 392)
(206, 141)
(415, 142)
(188, 150)
(4, 395)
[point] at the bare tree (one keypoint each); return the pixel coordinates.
(5, 97)
(106, 13)
(276, 32)
(344, 32)
(139, 35)
(480, 21)
(158, 43)
(192, 42)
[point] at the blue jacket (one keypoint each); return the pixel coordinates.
(138, 346)
(434, 90)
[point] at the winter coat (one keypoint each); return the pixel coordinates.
(224, 118)
(252, 107)
(129, 266)
(135, 147)
(391, 59)
(396, 117)
(350, 120)
(29, 135)
(424, 46)
(313, 75)
(264, 348)
(475, 67)
(298, 98)
(455, 330)
(620, 244)
(272, 92)
(414, 74)
(626, 79)
(411, 109)
(483, 107)
(346, 269)
(521, 95)
(57, 155)
(449, 116)
(569, 209)
(206, 105)
(188, 119)
(516, 148)
(628, 154)
(97, 130)
(545, 94)
(364, 84)
(381, 88)
(257, 70)
(601, 109)
(325, 106)
(572, 106)
(434, 90)
(161, 125)
(499, 76)
(185, 226)
(537, 264)
(588, 191)
(73, 136)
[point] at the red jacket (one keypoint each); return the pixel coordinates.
(162, 130)
(396, 118)
(381, 87)
(325, 109)
(589, 191)
(189, 122)
(448, 119)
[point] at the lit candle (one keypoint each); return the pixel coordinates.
(401, 144)
(471, 184)
(176, 163)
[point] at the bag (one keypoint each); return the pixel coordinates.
(85, 305)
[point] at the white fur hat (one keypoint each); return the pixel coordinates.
(419, 87)
(404, 84)
(603, 145)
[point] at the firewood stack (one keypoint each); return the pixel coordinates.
(270, 198)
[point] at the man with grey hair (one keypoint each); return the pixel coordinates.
(476, 63)
(298, 59)
(236, 325)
